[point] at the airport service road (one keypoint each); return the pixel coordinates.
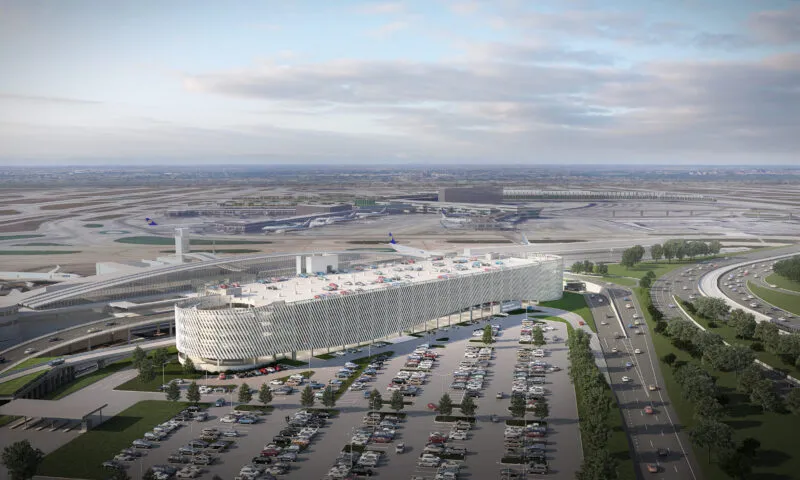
(647, 433)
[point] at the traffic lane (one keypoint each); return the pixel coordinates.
(16, 353)
(657, 401)
(648, 432)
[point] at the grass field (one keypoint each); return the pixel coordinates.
(10, 387)
(28, 362)
(93, 225)
(776, 460)
(172, 371)
(786, 301)
(38, 252)
(87, 380)
(18, 237)
(6, 419)
(639, 270)
(40, 244)
(83, 456)
(783, 282)
(573, 302)
(325, 356)
(151, 240)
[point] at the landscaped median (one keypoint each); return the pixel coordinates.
(785, 301)
(362, 365)
(573, 302)
(83, 456)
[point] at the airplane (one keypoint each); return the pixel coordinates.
(372, 214)
(287, 227)
(151, 222)
(412, 252)
(525, 240)
(321, 222)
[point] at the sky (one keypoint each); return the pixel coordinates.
(667, 82)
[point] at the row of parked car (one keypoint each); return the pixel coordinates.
(276, 457)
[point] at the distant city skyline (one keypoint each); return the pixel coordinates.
(507, 82)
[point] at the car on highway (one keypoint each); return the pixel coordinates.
(28, 351)
(614, 349)
(603, 323)
(637, 350)
(652, 388)
(94, 330)
(628, 364)
(54, 339)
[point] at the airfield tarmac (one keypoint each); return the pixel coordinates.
(68, 219)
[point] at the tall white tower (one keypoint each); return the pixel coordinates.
(181, 242)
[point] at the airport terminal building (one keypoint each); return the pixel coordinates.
(241, 326)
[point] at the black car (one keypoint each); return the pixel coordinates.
(262, 460)
(110, 324)
(361, 470)
(54, 339)
(112, 465)
(410, 392)
(663, 452)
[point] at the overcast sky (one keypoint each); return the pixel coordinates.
(501, 81)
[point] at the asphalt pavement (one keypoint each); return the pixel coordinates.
(648, 433)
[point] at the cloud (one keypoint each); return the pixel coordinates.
(779, 27)
(42, 100)
(464, 8)
(386, 8)
(388, 29)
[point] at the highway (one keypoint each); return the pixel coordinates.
(648, 433)
(80, 334)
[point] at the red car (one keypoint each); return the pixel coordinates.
(581, 323)
(432, 406)
(648, 410)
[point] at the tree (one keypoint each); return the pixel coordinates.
(118, 474)
(656, 252)
(396, 401)
(375, 400)
(517, 406)
(244, 393)
(628, 258)
(149, 474)
(661, 327)
(173, 392)
(748, 378)
(670, 358)
(147, 371)
(763, 394)
(22, 460)
(537, 336)
(741, 357)
(307, 397)
(468, 406)
(138, 357)
(711, 434)
(793, 401)
(707, 407)
(645, 282)
(445, 404)
(668, 250)
(588, 266)
(541, 409)
(577, 267)
(487, 334)
(188, 366)
(601, 268)
(744, 324)
(160, 356)
(711, 307)
(328, 397)
(193, 393)
(265, 394)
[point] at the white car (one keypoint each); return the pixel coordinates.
(614, 350)
(637, 351)
(28, 351)
(626, 379)
(276, 382)
(603, 323)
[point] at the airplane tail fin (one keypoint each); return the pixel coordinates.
(152, 223)
(393, 241)
(525, 240)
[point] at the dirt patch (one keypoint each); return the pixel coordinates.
(64, 206)
(9, 212)
(29, 225)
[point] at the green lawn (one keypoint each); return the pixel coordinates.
(153, 240)
(293, 363)
(40, 244)
(29, 362)
(18, 237)
(38, 252)
(82, 457)
(639, 270)
(786, 301)
(10, 387)
(624, 281)
(325, 356)
(573, 302)
(783, 282)
(87, 380)
(776, 460)
(6, 419)
(172, 371)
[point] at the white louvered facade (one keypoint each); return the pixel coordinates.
(219, 338)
